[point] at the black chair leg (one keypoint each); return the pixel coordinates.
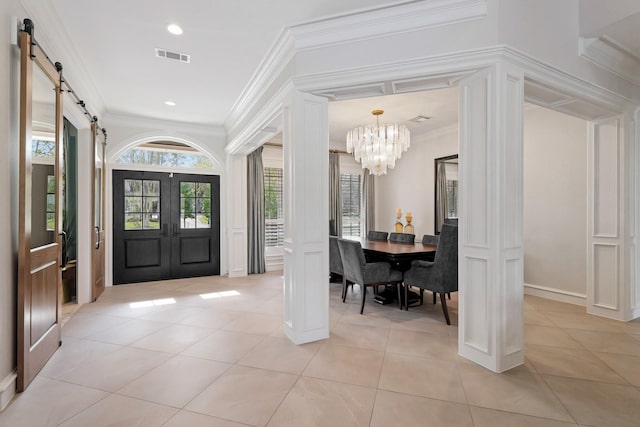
(344, 288)
(406, 296)
(443, 300)
(364, 295)
(434, 297)
(399, 286)
(449, 295)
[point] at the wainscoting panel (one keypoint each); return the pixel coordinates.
(609, 218)
(513, 295)
(606, 179)
(475, 167)
(513, 162)
(605, 276)
(477, 314)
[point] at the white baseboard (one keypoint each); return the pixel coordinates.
(555, 294)
(7, 390)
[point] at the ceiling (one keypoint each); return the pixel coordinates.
(227, 40)
(116, 41)
(441, 105)
(624, 33)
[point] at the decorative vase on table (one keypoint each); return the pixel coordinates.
(409, 227)
(398, 226)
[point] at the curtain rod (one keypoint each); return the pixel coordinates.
(29, 28)
(276, 144)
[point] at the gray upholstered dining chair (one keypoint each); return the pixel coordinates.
(429, 239)
(335, 260)
(402, 237)
(441, 275)
(357, 270)
(377, 235)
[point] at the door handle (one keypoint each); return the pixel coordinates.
(97, 237)
(175, 229)
(165, 230)
(63, 239)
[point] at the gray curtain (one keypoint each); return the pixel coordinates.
(335, 195)
(441, 191)
(368, 202)
(255, 212)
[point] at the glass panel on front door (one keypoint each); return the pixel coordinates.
(141, 204)
(195, 205)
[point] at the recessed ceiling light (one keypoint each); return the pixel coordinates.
(174, 29)
(170, 103)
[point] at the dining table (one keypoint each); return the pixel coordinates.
(398, 254)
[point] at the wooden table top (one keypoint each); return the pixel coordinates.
(396, 248)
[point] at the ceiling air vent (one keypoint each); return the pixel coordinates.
(177, 56)
(419, 119)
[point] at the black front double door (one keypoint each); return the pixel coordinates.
(165, 226)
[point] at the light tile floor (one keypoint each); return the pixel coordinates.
(210, 352)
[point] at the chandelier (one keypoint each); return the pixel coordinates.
(377, 147)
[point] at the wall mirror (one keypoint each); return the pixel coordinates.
(446, 191)
(43, 156)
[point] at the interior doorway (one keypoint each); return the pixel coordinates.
(165, 225)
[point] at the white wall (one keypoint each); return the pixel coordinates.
(555, 187)
(555, 201)
(410, 186)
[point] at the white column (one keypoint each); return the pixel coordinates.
(611, 251)
(306, 218)
(236, 196)
(491, 320)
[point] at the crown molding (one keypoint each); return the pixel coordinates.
(431, 72)
(441, 68)
(395, 19)
(607, 54)
(260, 129)
(569, 84)
(58, 45)
(128, 120)
(384, 21)
(416, 74)
(278, 57)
